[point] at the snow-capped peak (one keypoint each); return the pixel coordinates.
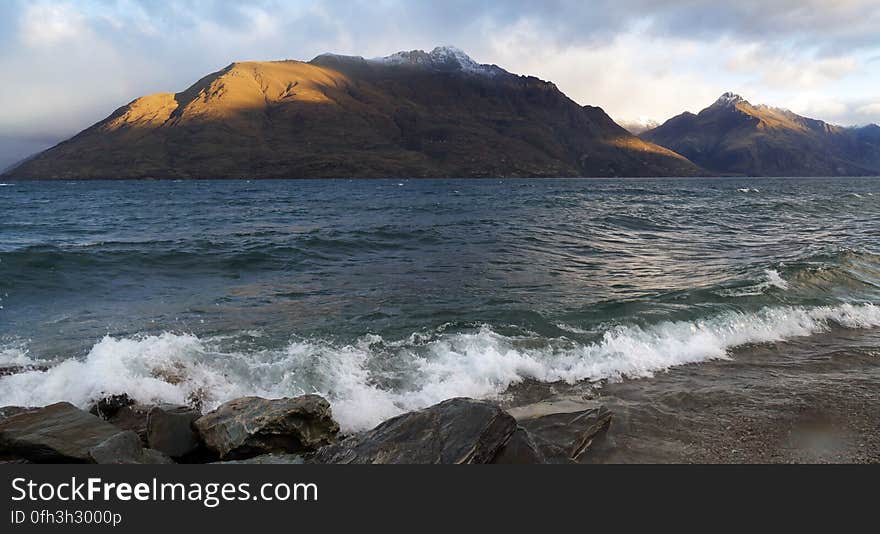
(639, 125)
(444, 58)
(729, 99)
(451, 54)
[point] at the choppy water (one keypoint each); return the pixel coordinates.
(391, 295)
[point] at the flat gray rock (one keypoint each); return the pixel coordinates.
(456, 431)
(59, 433)
(251, 426)
(563, 428)
(125, 448)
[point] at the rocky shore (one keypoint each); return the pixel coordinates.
(805, 401)
(118, 430)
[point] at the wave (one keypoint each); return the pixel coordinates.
(374, 379)
(772, 281)
(846, 275)
(251, 247)
(14, 355)
(31, 262)
(573, 329)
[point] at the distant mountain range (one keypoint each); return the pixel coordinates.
(411, 114)
(639, 126)
(432, 114)
(733, 136)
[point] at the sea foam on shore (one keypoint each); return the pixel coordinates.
(375, 379)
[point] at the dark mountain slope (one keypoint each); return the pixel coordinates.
(412, 114)
(734, 136)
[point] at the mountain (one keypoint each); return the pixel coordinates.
(6, 170)
(442, 58)
(733, 136)
(411, 114)
(637, 127)
(10, 168)
(16, 149)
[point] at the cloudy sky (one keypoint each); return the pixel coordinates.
(67, 64)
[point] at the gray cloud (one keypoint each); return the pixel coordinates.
(825, 24)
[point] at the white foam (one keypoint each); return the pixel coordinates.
(14, 355)
(774, 279)
(573, 329)
(373, 379)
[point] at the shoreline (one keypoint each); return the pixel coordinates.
(814, 400)
(809, 400)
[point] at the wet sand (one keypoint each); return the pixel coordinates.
(815, 400)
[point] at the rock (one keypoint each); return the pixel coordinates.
(5, 413)
(108, 406)
(152, 456)
(274, 459)
(122, 411)
(132, 418)
(8, 411)
(562, 428)
(170, 430)
(520, 449)
(8, 370)
(59, 433)
(125, 448)
(252, 426)
(456, 431)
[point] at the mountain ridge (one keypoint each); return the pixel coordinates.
(411, 114)
(734, 136)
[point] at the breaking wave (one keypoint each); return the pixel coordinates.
(774, 279)
(374, 378)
